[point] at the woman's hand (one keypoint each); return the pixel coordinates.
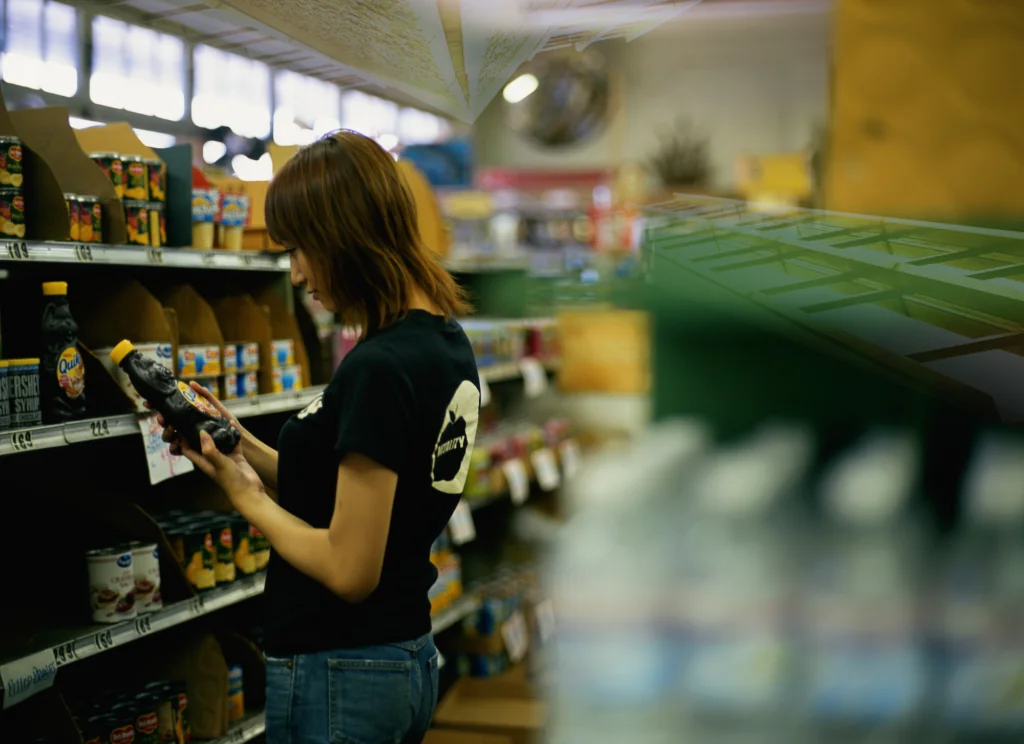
(174, 439)
(231, 472)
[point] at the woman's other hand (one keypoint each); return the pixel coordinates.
(231, 471)
(174, 439)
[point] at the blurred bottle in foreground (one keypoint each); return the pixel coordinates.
(980, 625)
(864, 672)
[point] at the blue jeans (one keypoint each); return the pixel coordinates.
(370, 695)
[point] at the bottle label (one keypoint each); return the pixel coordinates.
(71, 372)
(196, 400)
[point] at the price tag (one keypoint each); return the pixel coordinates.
(155, 255)
(461, 526)
(240, 734)
(535, 378)
(83, 252)
(90, 429)
(517, 640)
(245, 258)
(103, 640)
(26, 676)
(17, 250)
(208, 258)
(143, 625)
(485, 392)
(162, 464)
(569, 452)
(518, 480)
(196, 606)
(64, 653)
(22, 440)
(545, 613)
(546, 469)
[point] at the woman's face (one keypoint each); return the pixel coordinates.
(305, 274)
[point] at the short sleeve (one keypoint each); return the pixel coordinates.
(376, 410)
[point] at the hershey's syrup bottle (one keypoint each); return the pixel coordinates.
(61, 370)
(181, 407)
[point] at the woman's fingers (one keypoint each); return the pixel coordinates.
(208, 394)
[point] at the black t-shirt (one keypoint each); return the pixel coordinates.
(407, 397)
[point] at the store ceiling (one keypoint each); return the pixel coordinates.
(450, 56)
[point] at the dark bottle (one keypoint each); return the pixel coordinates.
(180, 405)
(61, 371)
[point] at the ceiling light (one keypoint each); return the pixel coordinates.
(213, 151)
(78, 123)
(155, 139)
(520, 88)
(388, 141)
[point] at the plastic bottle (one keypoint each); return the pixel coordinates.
(180, 405)
(980, 660)
(865, 671)
(61, 373)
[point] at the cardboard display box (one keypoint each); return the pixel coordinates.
(505, 706)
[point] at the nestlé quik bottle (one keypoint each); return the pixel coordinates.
(61, 371)
(180, 405)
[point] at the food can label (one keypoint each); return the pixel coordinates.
(123, 735)
(71, 372)
(15, 153)
(204, 205)
(196, 400)
(146, 723)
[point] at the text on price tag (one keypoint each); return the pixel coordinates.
(517, 479)
(461, 526)
(535, 378)
(516, 637)
(26, 676)
(22, 440)
(569, 452)
(546, 468)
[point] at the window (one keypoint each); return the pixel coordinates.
(41, 50)
(417, 127)
(307, 108)
(136, 69)
(231, 91)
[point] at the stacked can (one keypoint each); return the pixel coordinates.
(214, 549)
(12, 200)
(241, 368)
(287, 375)
(141, 185)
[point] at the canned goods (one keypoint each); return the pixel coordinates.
(286, 379)
(120, 725)
(156, 173)
(23, 387)
(248, 385)
(230, 388)
(199, 361)
(113, 167)
(157, 225)
(147, 722)
(90, 215)
(230, 364)
(11, 173)
(136, 215)
(224, 550)
(12, 212)
(248, 357)
(259, 546)
(74, 216)
(197, 541)
(236, 696)
(136, 180)
(165, 709)
(245, 561)
(146, 567)
(111, 584)
(282, 352)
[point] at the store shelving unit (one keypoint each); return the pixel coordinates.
(250, 728)
(30, 251)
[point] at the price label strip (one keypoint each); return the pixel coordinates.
(26, 440)
(26, 676)
(516, 637)
(517, 479)
(103, 428)
(461, 526)
(544, 465)
(535, 377)
(16, 250)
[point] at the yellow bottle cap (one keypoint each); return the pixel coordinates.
(21, 362)
(120, 351)
(55, 288)
(3, 363)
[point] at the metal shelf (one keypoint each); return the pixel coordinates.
(247, 730)
(87, 430)
(14, 252)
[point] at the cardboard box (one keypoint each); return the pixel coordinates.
(503, 706)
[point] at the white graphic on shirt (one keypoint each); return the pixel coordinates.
(450, 461)
(314, 405)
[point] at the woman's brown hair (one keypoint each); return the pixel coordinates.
(343, 202)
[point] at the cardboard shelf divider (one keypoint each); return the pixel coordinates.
(48, 135)
(282, 325)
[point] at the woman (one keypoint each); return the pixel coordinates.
(369, 473)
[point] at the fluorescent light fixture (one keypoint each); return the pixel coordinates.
(77, 123)
(213, 151)
(388, 141)
(155, 139)
(248, 169)
(520, 88)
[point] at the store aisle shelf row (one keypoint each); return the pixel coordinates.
(24, 676)
(34, 251)
(87, 430)
(247, 730)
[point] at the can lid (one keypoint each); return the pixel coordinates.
(68, 196)
(55, 288)
(120, 351)
(102, 154)
(135, 203)
(87, 198)
(9, 138)
(152, 161)
(132, 158)
(23, 362)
